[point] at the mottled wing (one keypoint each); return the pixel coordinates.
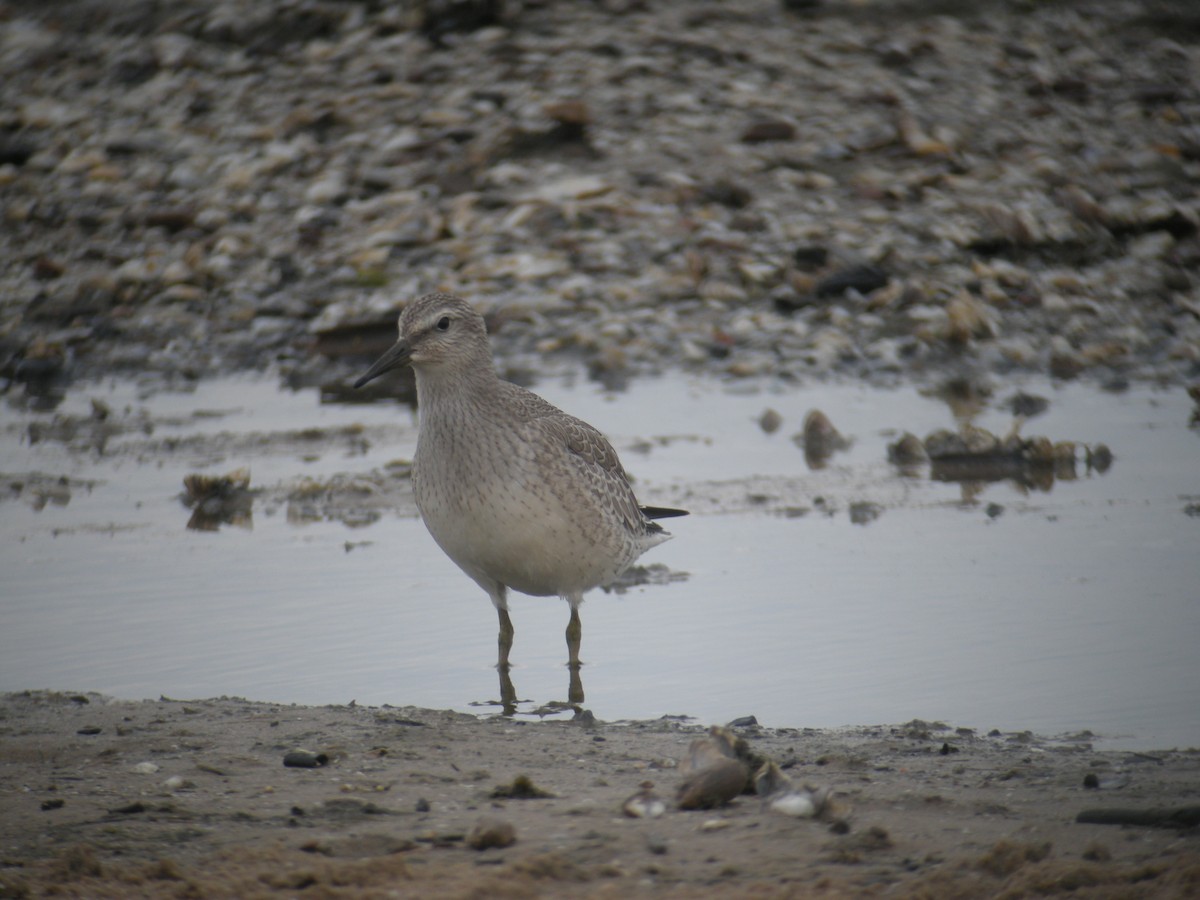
(591, 454)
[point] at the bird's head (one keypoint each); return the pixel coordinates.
(437, 332)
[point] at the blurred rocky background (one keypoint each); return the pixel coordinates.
(876, 189)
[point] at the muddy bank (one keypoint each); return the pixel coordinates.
(193, 798)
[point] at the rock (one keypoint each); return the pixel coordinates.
(521, 788)
(569, 112)
(438, 18)
(1026, 405)
(330, 188)
(863, 512)
(1099, 457)
(714, 774)
(769, 421)
(712, 786)
(820, 439)
(575, 187)
(907, 451)
(47, 269)
(218, 499)
(967, 317)
(728, 193)
(768, 129)
(359, 846)
(645, 804)
(798, 804)
(15, 151)
(170, 218)
(918, 141)
(810, 257)
(862, 279)
(491, 832)
(1065, 364)
(305, 759)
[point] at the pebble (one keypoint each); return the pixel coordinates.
(622, 188)
(713, 785)
(798, 804)
(761, 130)
(491, 832)
(820, 439)
(862, 279)
(645, 804)
(770, 421)
(305, 759)
(863, 512)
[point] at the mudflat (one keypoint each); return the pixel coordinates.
(229, 797)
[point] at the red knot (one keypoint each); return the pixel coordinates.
(516, 492)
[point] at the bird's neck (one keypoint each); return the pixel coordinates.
(448, 392)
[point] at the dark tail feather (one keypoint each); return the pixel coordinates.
(662, 512)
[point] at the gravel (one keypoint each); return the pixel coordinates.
(878, 190)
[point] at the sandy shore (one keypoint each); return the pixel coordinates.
(171, 798)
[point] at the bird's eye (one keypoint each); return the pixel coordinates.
(443, 324)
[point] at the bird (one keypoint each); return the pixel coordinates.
(517, 493)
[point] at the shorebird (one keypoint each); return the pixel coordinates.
(516, 492)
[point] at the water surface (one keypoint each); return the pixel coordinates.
(1054, 610)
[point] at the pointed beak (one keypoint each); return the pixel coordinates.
(397, 356)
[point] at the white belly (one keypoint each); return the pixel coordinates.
(520, 536)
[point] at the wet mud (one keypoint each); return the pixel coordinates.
(175, 798)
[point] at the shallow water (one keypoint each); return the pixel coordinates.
(1074, 608)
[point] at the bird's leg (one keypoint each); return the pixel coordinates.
(508, 693)
(574, 636)
(575, 687)
(505, 640)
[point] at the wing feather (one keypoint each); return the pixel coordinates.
(588, 452)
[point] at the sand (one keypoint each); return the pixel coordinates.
(170, 798)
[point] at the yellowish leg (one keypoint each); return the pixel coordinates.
(574, 636)
(505, 640)
(575, 687)
(508, 693)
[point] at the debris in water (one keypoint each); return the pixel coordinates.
(770, 420)
(217, 500)
(864, 512)
(819, 439)
(974, 454)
